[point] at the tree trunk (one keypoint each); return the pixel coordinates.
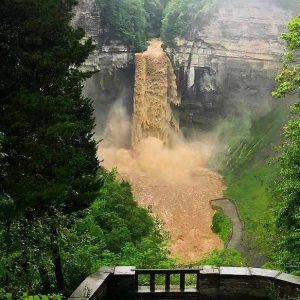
(7, 252)
(45, 280)
(57, 261)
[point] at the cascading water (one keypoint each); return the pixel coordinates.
(155, 90)
(167, 173)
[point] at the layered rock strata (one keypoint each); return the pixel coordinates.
(228, 66)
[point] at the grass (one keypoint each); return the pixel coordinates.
(222, 225)
(255, 203)
(249, 171)
(222, 257)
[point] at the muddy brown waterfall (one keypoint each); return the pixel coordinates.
(168, 174)
(155, 90)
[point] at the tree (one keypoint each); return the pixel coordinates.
(288, 192)
(48, 154)
(124, 20)
(183, 17)
(154, 14)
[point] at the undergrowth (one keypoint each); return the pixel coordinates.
(249, 169)
(222, 225)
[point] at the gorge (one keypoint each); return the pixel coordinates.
(224, 68)
(167, 173)
(142, 142)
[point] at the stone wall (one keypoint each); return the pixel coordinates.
(121, 283)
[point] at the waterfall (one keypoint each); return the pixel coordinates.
(168, 174)
(155, 89)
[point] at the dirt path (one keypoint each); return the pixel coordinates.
(230, 210)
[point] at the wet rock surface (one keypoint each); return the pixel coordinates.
(228, 66)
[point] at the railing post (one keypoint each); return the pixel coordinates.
(125, 283)
(182, 281)
(152, 282)
(136, 281)
(167, 282)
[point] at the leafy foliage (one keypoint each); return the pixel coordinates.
(154, 15)
(132, 21)
(288, 185)
(221, 225)
(183, 16)
(115, 231)
(225, 257)
(42, 297)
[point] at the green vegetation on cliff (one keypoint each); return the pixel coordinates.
(288, 181)
(182, 17)
(132, 21)
(249, 171)
(136, 21)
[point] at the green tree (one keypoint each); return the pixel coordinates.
(48, 154)
(124, 20)
(288, 192)
(182, 17)
(115, 231)
(154, 14)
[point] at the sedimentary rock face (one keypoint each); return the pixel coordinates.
(229, 65)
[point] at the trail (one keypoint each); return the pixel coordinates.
(230, 210)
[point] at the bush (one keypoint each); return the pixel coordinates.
(221, 225)
(115, 231)
(223, 257)
(182, 16)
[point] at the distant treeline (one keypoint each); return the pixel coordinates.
(136, 21)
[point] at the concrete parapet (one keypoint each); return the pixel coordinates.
(122, 283)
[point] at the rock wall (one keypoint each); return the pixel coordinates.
(226, 67)
(112, 59)
(229, 65)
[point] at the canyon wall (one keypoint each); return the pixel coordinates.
(228, 66)
(111, 58)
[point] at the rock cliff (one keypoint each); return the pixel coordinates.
(226, 67)
(112, 59)
(229, 65)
